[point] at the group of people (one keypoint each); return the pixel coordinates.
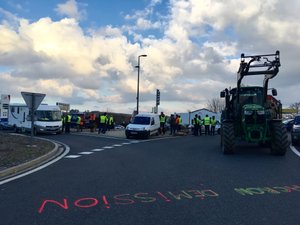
(66, 123)
(175, 122)
(104, 123)
(209, 124)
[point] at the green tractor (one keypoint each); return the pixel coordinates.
(250, 113)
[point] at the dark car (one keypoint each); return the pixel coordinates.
(288, 124)
(295, 132)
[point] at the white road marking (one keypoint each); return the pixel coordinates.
(97, 150)
(72, 156)
(295, 150)
(108, 147)
(85, 153)
(117, 145)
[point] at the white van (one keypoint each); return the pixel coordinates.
(143, 125)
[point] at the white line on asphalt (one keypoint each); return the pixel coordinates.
(108, 147)
(97, 150)
(40, 167)
(117, 145)
(295, 150)
(72, 156)
(126, 143)
(85, 153)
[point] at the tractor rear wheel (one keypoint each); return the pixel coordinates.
(279, 141)
(227, 138)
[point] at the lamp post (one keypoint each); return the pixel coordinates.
(138, 84)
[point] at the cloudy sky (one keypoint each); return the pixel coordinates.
(84, 52)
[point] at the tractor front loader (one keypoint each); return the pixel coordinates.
(250, 113)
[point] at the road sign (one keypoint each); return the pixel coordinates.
(33, 100)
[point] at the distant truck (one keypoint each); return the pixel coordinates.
(47, 119)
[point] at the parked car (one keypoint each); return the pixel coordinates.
(288, 124)
(295, 132)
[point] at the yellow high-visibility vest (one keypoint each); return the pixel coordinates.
(103, 119)
(78, 120)
(206, 121)
(162, 119)
(213, 122)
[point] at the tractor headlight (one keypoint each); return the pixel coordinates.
(248, 113)
(260, 112)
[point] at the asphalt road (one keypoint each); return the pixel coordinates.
(160, 181)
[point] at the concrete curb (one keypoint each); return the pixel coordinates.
(13, 171)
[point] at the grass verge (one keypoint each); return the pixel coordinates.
(17, 149)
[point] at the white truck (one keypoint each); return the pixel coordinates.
(47, 118)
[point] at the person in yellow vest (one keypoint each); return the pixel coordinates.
(200, 125)
(206, 122)
(111, 122)
(196, 124)
(180, 123)
(78, 123)
(103, 120)
(163, 120)
(213, 125)
(68, 123)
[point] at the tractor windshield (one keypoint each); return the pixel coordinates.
(251, 95)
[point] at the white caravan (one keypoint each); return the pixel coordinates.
(47, 118)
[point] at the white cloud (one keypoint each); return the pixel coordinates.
(70, 9)
(196, 56)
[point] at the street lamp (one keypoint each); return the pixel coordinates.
(138, 84)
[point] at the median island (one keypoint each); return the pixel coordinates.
(17, 149)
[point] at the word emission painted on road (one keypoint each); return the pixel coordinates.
(109, 201)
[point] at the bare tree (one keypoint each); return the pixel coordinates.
(215, 105)
(295, 106)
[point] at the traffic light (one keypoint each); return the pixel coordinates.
(157, 97)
